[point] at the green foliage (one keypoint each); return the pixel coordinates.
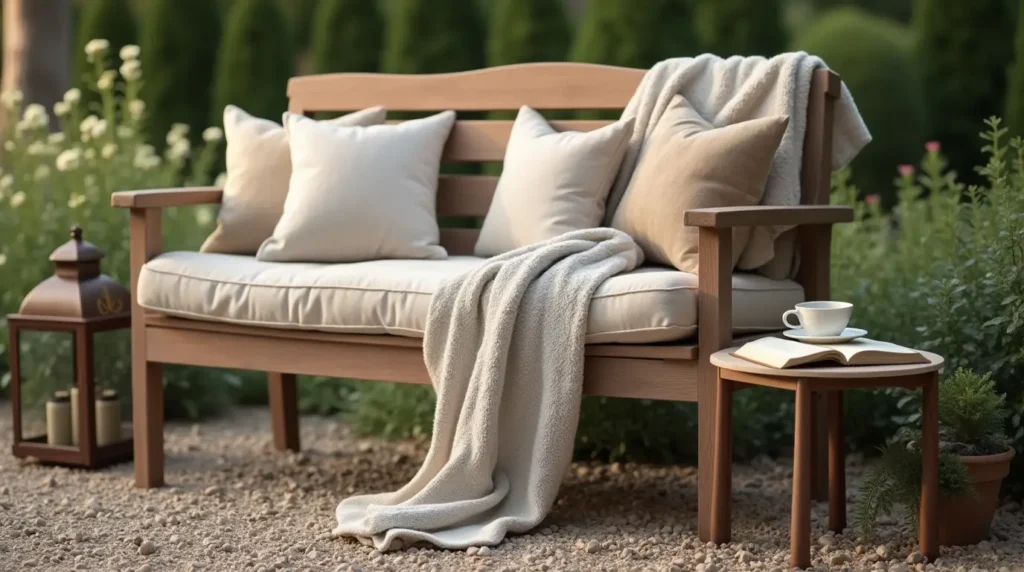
(393, 411)
(951, 259)
(303, 16)
(111, 20)
(433, 37)
(972, 415)
(179, 41)
(527, 31)
(50, 181)
(634, 34)
(347, 36)
(895, 481)
(876, 62)
(1015, 95)
(899, 10)
(254, 63)
(964, 50)
(740, 27)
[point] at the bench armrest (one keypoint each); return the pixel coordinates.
(727, 217)
(157, 198)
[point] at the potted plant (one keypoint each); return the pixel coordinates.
(974, 457)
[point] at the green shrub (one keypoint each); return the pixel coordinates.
(302, 14)
(347, 36)
(111, 20)
(964, 50)
(527, 31)
(899, 10)
(433, 37)
(948, 258)
(50, 181)
(179, 41)
(740, 27)
(1015, 95)
(254, 63)
(876, 61)
(634, 34)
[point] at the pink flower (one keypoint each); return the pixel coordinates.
(872, 200)
(932, 146)
(906, 170)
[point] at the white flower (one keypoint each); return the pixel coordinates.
(36, 148)
(75, 200)
(125, 132)
(98, 129)
(35, 116)
(89, 154)
(179, 150)
(178, 132)
(12, 99)
(109, 150)
(131, 70)
(136, 108)
(3, 259)
(42, 171)
(9, 145)
(72, 96)
(204, 216)
(221, 180)
(86, 126)
(17, 199)
(6, 181)
(106, 81)
(69, 160)
(61, 108)
(130, 52)
(96, 48)
(55, 138)
(211, 134)
(145, 158)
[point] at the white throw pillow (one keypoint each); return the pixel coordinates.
(361, 193)
(551, 183)
(258, 168)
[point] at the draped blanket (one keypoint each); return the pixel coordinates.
(504, 348)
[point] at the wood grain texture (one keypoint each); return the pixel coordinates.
(482, 140)
(465, 195)
(721, 502)
(816, 169)
(282, 393)
(726, 217)
(152, 198)
(800, 515)
(714, 315)
(147, 380)
(459, 241)
(928, 518)
(836, 462)
(562, 85)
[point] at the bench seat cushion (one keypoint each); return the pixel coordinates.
(650, 304)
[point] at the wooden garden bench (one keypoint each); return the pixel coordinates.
(677, 370)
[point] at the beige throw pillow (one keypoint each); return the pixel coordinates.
(258, 168)
(551, 183)
(361, 193)
(689, 164)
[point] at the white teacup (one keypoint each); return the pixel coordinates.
(820, 318)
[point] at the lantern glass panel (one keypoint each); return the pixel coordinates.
(113, 366)
(47, 365)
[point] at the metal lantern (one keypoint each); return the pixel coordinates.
(77, 299)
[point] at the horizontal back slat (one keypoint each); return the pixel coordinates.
(474, 141)
(465, 195)
(540, 85)
(459, 241)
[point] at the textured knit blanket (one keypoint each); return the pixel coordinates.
(728, 91)
(504, 348)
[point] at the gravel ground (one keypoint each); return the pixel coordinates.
(233, 503)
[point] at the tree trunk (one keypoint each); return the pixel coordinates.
(36, 50)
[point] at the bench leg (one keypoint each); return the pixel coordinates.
(148, 422)
(707, 401)
(721, 504)
(284, 410)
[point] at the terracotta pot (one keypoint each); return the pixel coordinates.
(966, 519)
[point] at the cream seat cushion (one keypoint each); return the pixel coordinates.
(650, 304)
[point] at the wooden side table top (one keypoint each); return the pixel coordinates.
(725, 360)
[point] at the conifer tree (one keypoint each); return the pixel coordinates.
(433, 36)
(111, 20)
(740, 27)
(347, 36)
(179, 44)
(527, 31)
(1015, 96)
(254, 62)
(637, 34)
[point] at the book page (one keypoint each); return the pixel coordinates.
(778, 352)
(861, 345)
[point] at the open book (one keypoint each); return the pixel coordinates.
(780, 353)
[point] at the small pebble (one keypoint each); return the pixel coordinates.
(147, 547)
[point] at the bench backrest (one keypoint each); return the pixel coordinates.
(543, 86)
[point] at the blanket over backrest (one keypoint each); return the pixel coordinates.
(728, 91)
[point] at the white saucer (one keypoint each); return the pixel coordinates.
(849, 334)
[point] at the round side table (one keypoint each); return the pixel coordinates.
(736, 373)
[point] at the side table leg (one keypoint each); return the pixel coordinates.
(928, 531)
(800, 518)
(836, 462)
(721, 492)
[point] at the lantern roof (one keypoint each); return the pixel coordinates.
(76, 249)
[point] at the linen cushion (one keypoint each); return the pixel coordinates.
(551, 183)
(361, 193)
(689, 164)
(650, 304)
(258, 168)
